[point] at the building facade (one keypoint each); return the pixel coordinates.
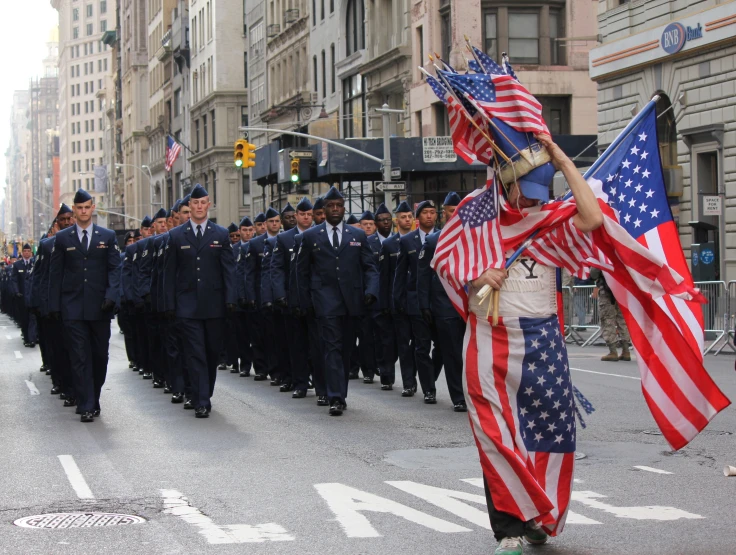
(219, 102)
(17, 162)
(180, 97)
(685, 52)
(84, 61)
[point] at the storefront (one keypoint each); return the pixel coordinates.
(689, 60)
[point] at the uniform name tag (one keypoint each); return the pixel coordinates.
(215, 246)
(354, 243)
(185, 247)
(21, 271)
(394, 254)
(101, 246)
(412, 252)
(71, 248)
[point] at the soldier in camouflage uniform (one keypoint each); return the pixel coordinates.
(613, 326)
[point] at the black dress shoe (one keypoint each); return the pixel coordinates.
(322, 401)
(135, 369)
(96, 412)
(367, 380)
(157, 384)
(167, 389)
(460, 407)
(148, 375)
(70, 402)
(42, 369)
(222, 367)
(299, 394)
(387, 387)
(336, 408)
(177, 398)
(234, 370)
(286, 386)
(55, 390)
(353, 375)
(430, 398)
(141, 371)
(48, 372)
(87, 417)
(245, 373)
(131, 365)
(276, 381)
(260, 378)
(62, 396)
(201, 412)
(408, 392)
(188, 404)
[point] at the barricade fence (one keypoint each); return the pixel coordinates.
(582, 319)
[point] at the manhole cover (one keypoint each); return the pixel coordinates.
(77, 520)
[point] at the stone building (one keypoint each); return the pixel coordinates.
(180, 97)
(685, 52)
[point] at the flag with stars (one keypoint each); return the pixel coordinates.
(666, 330)
(522, 415)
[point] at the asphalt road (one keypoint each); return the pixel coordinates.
(391, 475)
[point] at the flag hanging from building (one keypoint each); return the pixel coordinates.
(173, 149)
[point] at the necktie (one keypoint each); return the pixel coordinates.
(335, 238)
(199, 233)
(85, 241)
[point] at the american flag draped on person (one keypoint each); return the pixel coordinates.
(516, 377)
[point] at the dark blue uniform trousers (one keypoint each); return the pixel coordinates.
(202, 341)
(450, 336)
(338, 342)
(316, 355)
(296, 336)
(367, 346)
(255, 323)
(405, 348)
(422, 333)
(176, 362)
(89, 345)
(386, 354)
(61, 366)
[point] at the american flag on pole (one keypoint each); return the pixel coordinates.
(666, 330)
(173, 149)
(484, 63)
(503, 97)
(468, 141)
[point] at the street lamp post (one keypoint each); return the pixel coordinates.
(150, 177)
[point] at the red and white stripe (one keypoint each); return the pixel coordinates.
(528, 485)
(171, 155)
(515, 105)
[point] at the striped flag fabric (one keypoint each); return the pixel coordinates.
(173, 149)
(503, 97)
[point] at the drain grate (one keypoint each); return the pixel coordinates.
(53, 521)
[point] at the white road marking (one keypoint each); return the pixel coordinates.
(9, 336)
(449, 500)
(176, 504)
(32, 388)
(650, 469)
(606, 374)
(572, 516)
(17, 354)
(348, 503)
(75, 477)
(651, 512)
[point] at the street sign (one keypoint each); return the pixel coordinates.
(395, 173)
(389, 186)
(438, 149)
(300, 154)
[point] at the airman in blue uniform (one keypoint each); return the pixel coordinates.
(23, 268)
(368, 334)
(201, 270)
(242, 328)
(135, 304)
(337, 279)
(83, 292)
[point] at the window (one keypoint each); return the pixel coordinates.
(524, 37)
(196, 135)
(103, 26)
(204, 128)
(332, 6)
(246, 187)
(245, 68)
(75, 14)
(214, 187)
(74, 149)
(316, 77)
(89, 10)
(419, 43)
(75, 33)
(100, 143)
(354, 28)
(177, 102)
(322, 9)
(103, 6)
(555, 31)
(90, 29)
(314, 12)
(214, 134)
(441, 119)
(490, 35)
(354, 113)
(556, 112)
(332, 65)
(445, 30)
(324, 75)
(243, 116)
(105, 64)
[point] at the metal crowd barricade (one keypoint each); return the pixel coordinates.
(571, 335)
(715, 312)
(729, 318)
(584, 315)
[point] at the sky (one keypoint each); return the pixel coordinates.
(24, 29)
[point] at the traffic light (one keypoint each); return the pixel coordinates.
(250, 156)
(295, 170)
(239, 153)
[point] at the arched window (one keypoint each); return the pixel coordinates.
(666, 131)
(354, 28)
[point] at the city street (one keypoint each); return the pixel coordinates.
(392, 475)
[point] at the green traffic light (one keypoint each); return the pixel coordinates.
(294, 178)
(238, 163)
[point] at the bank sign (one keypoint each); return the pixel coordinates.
(675, 35)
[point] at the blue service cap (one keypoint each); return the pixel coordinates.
(424, 204)
(199, 192)
(26, 246)
(304, 205)
(352, 220)
(452, 199)
(146, 221)
(287, 208)
(382, 210)
(63, 209)
(232, 228)
(245, 222)
(260, 218)
(367, 215)
(403, 207)
(271, 213)
(81, 196)
(319, 204)
(185, 201)
(160, 214)
(333, 194)
(176, 206)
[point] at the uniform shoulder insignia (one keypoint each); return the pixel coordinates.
(421, 254)
(380, 258)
